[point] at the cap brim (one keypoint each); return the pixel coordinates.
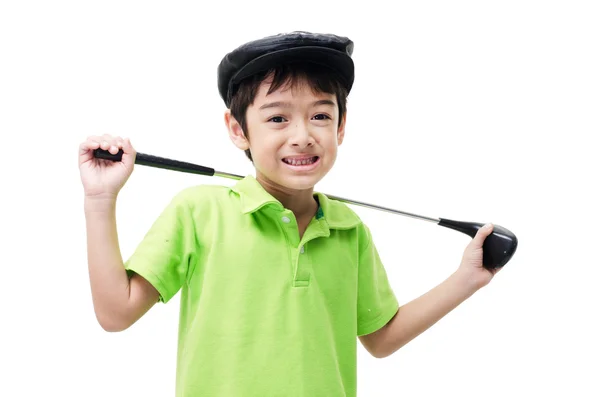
(336, 60)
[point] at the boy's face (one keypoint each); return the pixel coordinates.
(293, 135)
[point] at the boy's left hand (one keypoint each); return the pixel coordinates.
(471, 265)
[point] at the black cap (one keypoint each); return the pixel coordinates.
(259, 55)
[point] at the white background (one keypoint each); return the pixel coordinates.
(468, 110)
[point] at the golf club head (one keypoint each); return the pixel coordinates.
(498, 247)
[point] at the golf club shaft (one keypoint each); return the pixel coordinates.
(175, 165)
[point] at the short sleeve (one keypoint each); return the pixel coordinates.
(164, 254)
(377, 303)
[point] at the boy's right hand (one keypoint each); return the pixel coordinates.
(104, 178)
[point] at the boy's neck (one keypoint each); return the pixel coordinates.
(301, 202)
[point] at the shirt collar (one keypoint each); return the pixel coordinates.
(254, 197)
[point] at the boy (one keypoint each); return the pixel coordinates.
(277, 281)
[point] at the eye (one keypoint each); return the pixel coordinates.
(322, 116)
(277, 119)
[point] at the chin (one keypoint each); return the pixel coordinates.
(306, 184)
(294, 182)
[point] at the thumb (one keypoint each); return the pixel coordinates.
(482, 233)
(129, 153)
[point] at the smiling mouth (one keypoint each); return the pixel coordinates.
(304, 161)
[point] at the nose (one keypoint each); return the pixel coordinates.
(301, 135)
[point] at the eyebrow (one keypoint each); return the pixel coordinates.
(288, 105)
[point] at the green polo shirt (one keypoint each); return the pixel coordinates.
(264, 313)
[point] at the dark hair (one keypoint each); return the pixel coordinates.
(320, 79)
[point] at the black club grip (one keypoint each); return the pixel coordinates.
(157, 162)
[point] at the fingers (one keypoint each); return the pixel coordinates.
(127, 146)
(87, 145)
(111, 143)
(105, 142)
(129, 152)
(482, 233)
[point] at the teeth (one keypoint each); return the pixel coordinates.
(300, 162)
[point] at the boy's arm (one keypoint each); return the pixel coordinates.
(118, 301)
(415, 317)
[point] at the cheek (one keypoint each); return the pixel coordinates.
(330, 141)
(266, 149)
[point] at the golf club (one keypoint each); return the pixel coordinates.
(498, 248)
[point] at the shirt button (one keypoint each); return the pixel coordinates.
(302, 249)
(285, 219)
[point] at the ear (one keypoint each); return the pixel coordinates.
(341, 130)
(236, 134)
